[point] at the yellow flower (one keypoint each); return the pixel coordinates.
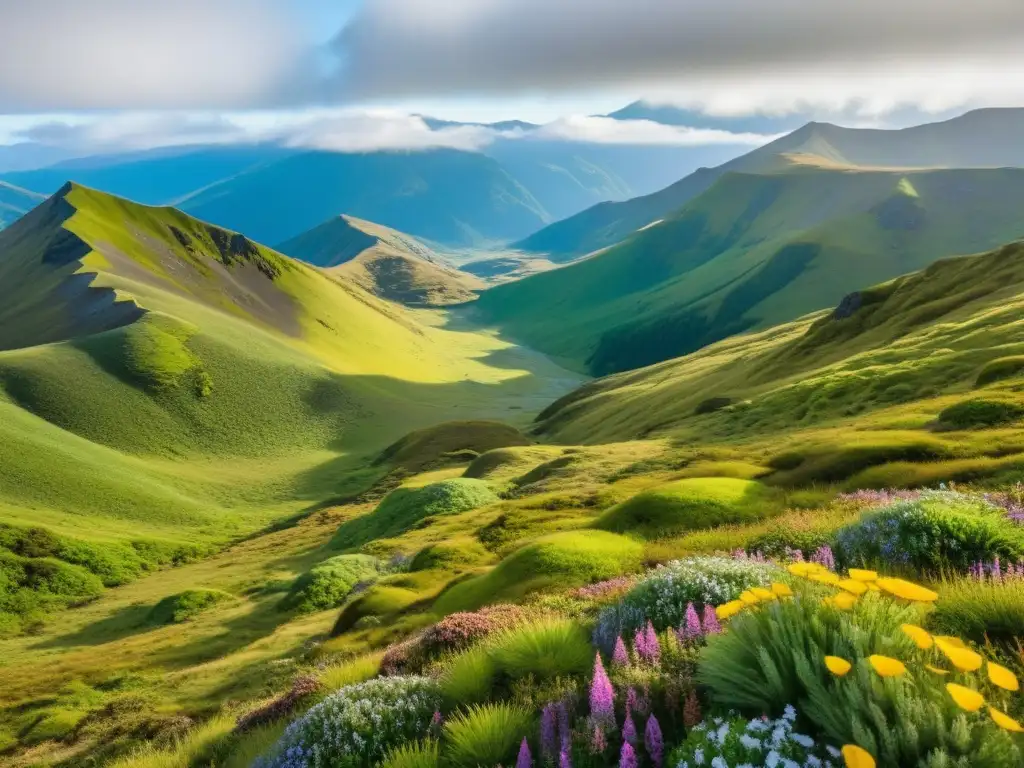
(824, 577)
(886, 666)
(1002, 677)
(844, 601)
(763, 593)
(936, 670)
(965, 698)
(837, 666)
(852, 586)
(1004, 721)
(908, 590)
(860, 575)
(952, 640)
(963, 659)
(782, 590)
(919, 635)
(730, 609)
(749, 597)
(873, 587)
(856, 757)
(800, 569)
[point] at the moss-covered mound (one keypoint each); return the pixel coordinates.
(187, 605)
(980, 413)
(328, 584)
(504, 464)
(404, 507)
(390, 597)
(691, 504)
(425, 447)
(999, 369)
(456, 553)
(560, 560)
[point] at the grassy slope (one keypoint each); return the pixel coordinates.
(233, 400)
(983, 138)
(459, 198)
(752, 251)
(383, 261)
(920, 340)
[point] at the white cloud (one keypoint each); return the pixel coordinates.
(374, 130)
(606, 130)
(137, 54)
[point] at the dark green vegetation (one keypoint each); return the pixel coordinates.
(384, 262)
(752, 251)
(982, 611)
(187, 605)
(328, 584)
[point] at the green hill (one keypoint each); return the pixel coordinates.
(15, 202)
(166, 378)
(447, 196)
(949, 329)
(752, 251)
(383, 261)
(984, 138)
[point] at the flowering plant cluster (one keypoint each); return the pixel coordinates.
(662, 597)
(356, 726)
(454, 632)
(940, 530)
(739, 743)
(997, 571)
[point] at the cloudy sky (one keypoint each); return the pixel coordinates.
(351, 74)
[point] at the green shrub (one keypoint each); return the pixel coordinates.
(691, 504)
(664, 593)
(419, 754)
(458, 552)
(378, 601)
(972, 414)
(999, 369)
(559, 560)
(547, 649)
(187, 605)
(486, 735)
(774, 656)
(776, 542)
(469, 677)
(328, 584)
(981, 611)
(404, 507)
(358, 725)
(939, 531)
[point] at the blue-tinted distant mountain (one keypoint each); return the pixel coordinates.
(155, 176)
(16, 202)
(27, 155)
(444, 195)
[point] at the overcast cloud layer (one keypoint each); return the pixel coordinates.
(398, 48)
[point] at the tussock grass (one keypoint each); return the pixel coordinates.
(982, 611)
(486, 735)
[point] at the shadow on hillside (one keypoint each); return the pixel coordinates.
(130, 620)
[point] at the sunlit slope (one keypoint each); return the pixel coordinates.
(951, 328)
(163, 373)
(986, 138)
(383, 261)
(753, 251)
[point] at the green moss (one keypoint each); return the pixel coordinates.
(187, 605)
(455, 553)
(404, 507)
(690, 504)
(422, 448)
(559, 560)
(979, 413)
(328, 584)
(999, 369)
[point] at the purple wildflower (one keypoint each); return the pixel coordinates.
(651, 644)
(548, 732)
(525, 759)
(627, 758)
(711, 624)
(620, 657)
(602, 694)
(631, 702)
(598, 742)
(563, 758)
(629, 729)
(563, 724)
(825, 557)
(653, 741)
(640, 645)
(692, 630)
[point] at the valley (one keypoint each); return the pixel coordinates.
(404, 439)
